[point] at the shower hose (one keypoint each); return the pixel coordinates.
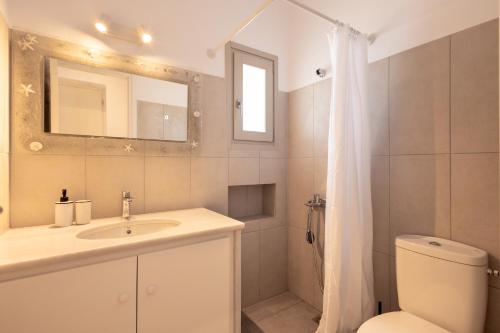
(313, 238)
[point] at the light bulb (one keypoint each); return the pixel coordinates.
(146, 38)
(101, 27)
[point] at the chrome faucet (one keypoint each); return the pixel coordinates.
(126, 200)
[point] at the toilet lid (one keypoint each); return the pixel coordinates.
(399, 322)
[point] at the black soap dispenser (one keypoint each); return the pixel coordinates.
(63, 210)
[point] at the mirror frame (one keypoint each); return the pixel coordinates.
(47, 105)
(28, 54)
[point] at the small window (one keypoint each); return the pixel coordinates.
(253, 96)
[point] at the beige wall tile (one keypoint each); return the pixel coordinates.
(252, 225)
(245, 153)
(381, 274)
(167, 183)
(114, 147)
(322, 96)
(474, 201)
(36, 183)
(317, 295)
(474, 89)
(378, 106)
(237, 201)
(300, 189)
(4, 192)
(215, 133)
(301, 122)
(279, 218)
(255, 200)
(393, 286)
(250, 268)
(420, 195)
(320, 175)
(280, 147)
(243, 171)
(166, 148)
(4, 123)
(492, 318)
(209, 183)
(273, 170)
(107, 177)
(300, 265)
(4, 86)
(419, 99)
(273, 272)
(380, 203)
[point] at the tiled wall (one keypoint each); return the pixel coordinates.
(435, 139)
(309, 109)
(264, 238)
(434, 116)
(159, 176)
(4, 124)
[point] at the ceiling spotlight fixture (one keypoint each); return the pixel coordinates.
(101, 27)
(146, 38)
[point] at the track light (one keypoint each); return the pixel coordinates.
(106, 26)
(101, 27)
(146, 38)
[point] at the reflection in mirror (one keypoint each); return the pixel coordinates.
(89, 101)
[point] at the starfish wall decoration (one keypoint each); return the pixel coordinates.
(128, 148)
(26, 89)
(27, 42)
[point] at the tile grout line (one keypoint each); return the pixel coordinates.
(389, 306)
(449, 132)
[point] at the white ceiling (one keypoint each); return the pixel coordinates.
(184, 30)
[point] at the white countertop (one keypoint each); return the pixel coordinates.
(36, 249)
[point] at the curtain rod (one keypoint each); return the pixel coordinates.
(212, 52)
(371, 37)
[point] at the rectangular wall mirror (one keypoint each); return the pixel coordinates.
(90, 101)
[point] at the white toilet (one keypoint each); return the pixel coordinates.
(442, 287)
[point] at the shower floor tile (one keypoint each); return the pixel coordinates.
(285, 313)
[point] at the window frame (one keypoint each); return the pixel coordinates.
(233, 51)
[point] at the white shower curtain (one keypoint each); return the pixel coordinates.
(348, 298)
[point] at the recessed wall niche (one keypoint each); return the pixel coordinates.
(252, 202)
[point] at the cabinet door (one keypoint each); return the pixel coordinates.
(187, 289)
(99, 298)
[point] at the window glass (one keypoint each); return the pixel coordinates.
(254, 99)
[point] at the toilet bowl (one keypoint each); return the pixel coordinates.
(442, 287)
(399, 322)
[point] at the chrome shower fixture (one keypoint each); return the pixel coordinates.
(316, 202)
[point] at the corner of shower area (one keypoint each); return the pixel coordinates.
(298, 308)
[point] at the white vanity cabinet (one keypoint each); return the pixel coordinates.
(96, 298)
(187, 289)
(184, 287)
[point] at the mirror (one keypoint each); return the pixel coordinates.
(90, 101)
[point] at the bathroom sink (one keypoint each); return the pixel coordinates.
(128, 229)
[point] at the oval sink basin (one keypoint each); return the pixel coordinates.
(127, 229)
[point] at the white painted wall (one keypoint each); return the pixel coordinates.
(3, 10)
(399, 24)
(184, 30)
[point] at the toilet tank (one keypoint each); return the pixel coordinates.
(443, 282)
